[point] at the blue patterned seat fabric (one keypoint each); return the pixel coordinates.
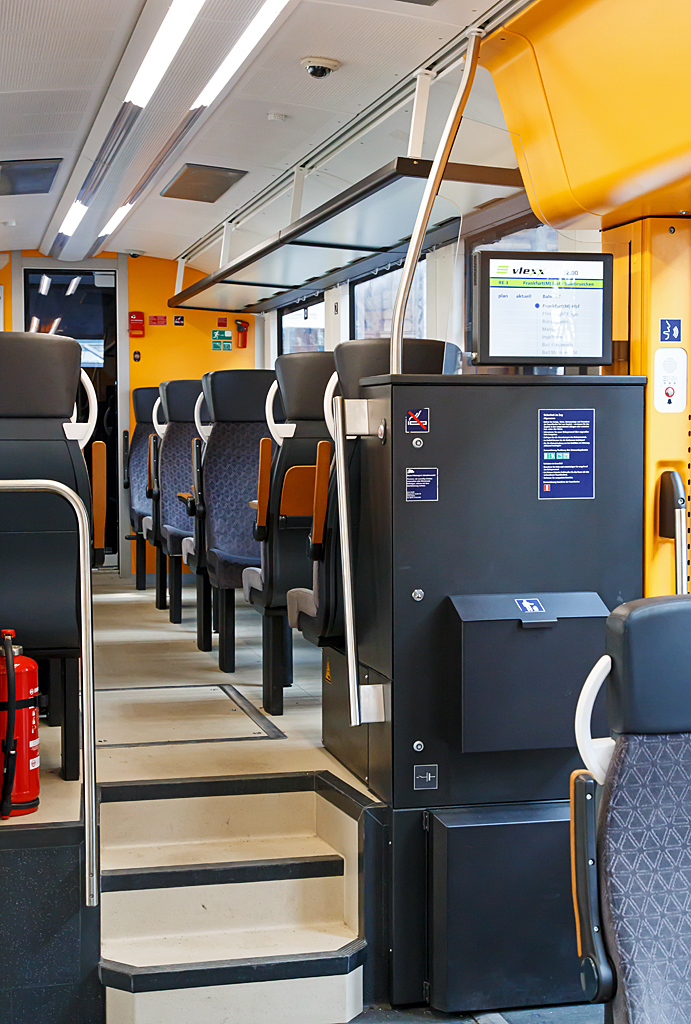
(644, 848)
(140, 506)
(231, 465)
(175, 477)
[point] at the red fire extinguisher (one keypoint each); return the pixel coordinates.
(242, 327)
(19, 730)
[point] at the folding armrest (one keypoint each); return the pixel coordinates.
(321, 498)
(263, 489)
(597, 975)
(187, 499)
(126, 459)
(152, 488)
(197, 488)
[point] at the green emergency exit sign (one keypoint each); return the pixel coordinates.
(221, 341)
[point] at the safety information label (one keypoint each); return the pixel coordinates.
(529, 604)
(670, 330)
(417, 421)
(566, 453)
(422, 484)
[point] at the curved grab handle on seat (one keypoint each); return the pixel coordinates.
(328, 402)
(595, 753)
(83, 432)
(158, 427)
(203, 429)
(278, 430)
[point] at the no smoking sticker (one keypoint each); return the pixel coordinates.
(417, 421)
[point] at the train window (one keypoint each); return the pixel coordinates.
(302, 330)
(77, 303)
(372, 302)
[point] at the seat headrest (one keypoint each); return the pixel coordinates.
(143, 402)
(370, 357)
(178, 398)
(40, 375)
(649, 687)
(237, 396)
(302, 379)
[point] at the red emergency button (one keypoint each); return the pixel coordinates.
(669, 392)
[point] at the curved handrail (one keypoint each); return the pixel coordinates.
(160, 428)
(278, 431)
(83, 432)
(328, 403)
(203, 429)
(595, 753)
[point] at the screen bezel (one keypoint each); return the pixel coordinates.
(481, 355)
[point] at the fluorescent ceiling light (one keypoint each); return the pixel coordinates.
(35, 324)
(54, 326)
(44, 285)
(166, 44)
(257, 28)
(73, 285)
(73, 219)
(118, 216)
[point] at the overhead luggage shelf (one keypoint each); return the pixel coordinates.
(364, 228)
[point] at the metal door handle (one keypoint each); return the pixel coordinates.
(672, 523)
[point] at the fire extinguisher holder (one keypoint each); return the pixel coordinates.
(86, 671)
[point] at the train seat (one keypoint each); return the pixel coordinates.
(136, 478)
(285, 515)
(236, 400)
(631, 862)
(318, 612)
(178, 398)
(39, 569)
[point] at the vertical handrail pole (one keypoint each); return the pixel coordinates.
(680, 549)
(87, 671)
(346, 560)
(430, 194)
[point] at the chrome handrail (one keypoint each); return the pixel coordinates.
(436, 174)
(346, 560)
(86, 671)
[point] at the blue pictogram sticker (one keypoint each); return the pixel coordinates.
(417, 421)
(670, 330)
(421, 484)
(529, 604)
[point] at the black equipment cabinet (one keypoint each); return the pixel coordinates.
(481, 592)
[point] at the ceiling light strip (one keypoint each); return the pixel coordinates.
(441, 62)
(240, 51)
(158, 58)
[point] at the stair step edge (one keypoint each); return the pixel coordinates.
(174, 876)
(233, 972)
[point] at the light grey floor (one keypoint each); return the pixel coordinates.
(422, 1015)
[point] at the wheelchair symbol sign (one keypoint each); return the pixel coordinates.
(529, 604)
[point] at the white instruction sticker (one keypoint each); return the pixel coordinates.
(34, 763)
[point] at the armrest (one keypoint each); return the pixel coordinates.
(263, 488)
(597, 975)
(152, 490)
(187, 499)
(321, 498)
(99, 498)
(126, 459)
(254, 504)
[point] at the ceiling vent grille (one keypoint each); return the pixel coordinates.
(202, 183)
(27, 177)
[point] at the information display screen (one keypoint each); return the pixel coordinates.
(542, 308)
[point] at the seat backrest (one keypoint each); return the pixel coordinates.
(355, 360)
(143, 401)
(236, 401)
(178, 398)
(302, 378)
(39, 595)
(644, 827)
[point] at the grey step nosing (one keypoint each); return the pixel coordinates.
(233, 972)
(177, 875)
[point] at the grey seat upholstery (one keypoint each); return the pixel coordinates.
(39, 568)
(143, 400)
(644, 824)
(178, 398)
(285, 565)
(236, 401)
(318, 612)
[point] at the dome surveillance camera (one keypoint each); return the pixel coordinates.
(320, 67)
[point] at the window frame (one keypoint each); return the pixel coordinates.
(293, 308)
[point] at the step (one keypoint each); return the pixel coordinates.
(232, 899)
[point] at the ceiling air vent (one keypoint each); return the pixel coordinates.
(27, 177)
(202, 183)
